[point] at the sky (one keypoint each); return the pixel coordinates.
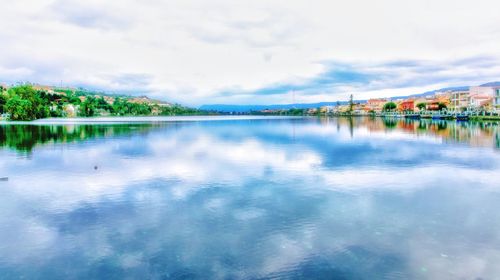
(198, 52)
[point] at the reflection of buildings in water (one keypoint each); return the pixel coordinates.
(497, 138)
(407, 125)
(478, 134)
(483, 135)
(474, 134)
(374, 124)
(350, 123)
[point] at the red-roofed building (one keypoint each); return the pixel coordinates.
(407, 105)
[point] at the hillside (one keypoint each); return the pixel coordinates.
(29, 102)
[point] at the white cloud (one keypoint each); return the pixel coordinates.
(191, 51)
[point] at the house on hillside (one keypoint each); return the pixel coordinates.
(70, 110)
(3, 87)
(109, 99)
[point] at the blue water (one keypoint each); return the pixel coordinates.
(223, 198)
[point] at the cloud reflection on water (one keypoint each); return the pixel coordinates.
(252, 199)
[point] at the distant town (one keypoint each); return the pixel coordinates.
(479, 101)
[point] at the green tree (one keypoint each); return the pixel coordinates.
(18, 108)
(89, 106)
(3, 101)
(441, 106)
(389, 106)
(25, 103)
(421, 106)
(120, 107)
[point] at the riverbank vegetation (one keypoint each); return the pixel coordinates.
(25, 103)
(24, 138)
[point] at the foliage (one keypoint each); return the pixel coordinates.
(89, 107)
(24, 138)
(18, 108)
(122, 107)
(3, 101)
(441, 106)
(296, 112)
(421, 106)
(389, 106)
(26, 103)
(177, 109)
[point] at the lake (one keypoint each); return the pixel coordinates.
(249, 198)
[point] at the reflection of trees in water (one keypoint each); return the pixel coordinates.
(441, 125)
(422, 126)
(25, 137)
(390, 122)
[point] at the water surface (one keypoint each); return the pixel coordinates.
(211, 198)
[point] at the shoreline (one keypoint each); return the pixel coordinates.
(144, 119)
(195, 118)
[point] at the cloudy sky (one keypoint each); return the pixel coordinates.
(251, 52)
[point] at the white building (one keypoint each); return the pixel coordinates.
(485, 96)
(459, 100)
(480, 90)
(496, 101)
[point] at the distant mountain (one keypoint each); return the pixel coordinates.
(491, 84)
(431, 92)
(248, 108)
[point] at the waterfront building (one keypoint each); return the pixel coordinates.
(407, 105)
(327, 109)
(359, 108)
(484, 98)
(375, 105)
(312, 111)
(481, 102)
(496, 101)
(482, 90)
(459, 100)
(434, 103)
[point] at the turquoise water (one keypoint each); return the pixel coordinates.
(268, 198)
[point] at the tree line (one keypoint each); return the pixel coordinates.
(25, 103)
